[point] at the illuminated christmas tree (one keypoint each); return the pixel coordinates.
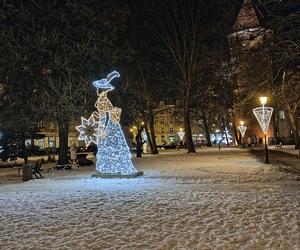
(229, 137)
(113, 157)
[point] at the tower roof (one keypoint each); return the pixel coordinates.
(247, 18)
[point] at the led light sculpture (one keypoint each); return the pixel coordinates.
(263, 115)
(180, 134)
(145, 141)
(229, 137)
(242, 128)
(113, 157)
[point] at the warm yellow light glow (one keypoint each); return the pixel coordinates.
(142, 123)
(180, 129)
(131, 130)
(134, 127)
(263, 100)
(242, 122)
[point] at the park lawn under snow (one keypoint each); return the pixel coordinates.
(209, 200)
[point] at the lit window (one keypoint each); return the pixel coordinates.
(51, 142)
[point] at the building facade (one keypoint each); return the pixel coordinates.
(168, 122)
(250, 45)
(51, 135)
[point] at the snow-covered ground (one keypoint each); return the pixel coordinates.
(209, 200)
(287, 148)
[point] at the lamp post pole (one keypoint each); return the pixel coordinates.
(265, 132)
(266, 150)
(263, 115)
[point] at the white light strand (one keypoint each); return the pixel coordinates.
(87, 130)
(180, 134)
(263, 115)
(144, 135)
(242, 129)
(229, 137)
(103, 128)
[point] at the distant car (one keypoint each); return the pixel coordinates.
(37, 151)
(172, 145)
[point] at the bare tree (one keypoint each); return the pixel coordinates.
(179, 26)
(283, 17)
(60, 46)
(290, 94)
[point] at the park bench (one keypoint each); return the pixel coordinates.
(19, 167)
(278, 146)
(36, 169)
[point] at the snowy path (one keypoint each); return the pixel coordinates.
(211, 200)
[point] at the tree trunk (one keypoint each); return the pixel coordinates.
(207, 130)
(188, 130)
(24, 149)
(235, 131)
(152, 133)
(63, 142)
(139, 143)
(149, 137)
(294, 128)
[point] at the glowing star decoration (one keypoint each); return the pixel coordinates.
(263, 115)
(113, 157)
(87, 130)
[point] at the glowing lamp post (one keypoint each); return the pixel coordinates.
(242, 128)
(263, 115)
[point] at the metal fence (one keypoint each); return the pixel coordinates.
(284, 140)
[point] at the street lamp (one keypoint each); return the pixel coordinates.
(242, 128)
(263, 115)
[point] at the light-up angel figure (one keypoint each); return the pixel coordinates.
(103, 128)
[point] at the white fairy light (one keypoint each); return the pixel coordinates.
(87, 130)
(242, 128)
(229, 137)
(113, 156)
(144, 135)
(263, 115)
(180, 134)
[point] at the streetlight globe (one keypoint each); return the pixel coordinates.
(134, 127)
(180, 129)
(263, 100)
(142, 123)
(242, 123)
(131, 130)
